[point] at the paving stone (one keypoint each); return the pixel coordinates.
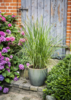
(40, 89)
(26, 87)
(20, 86)
(12, 82)
(25, 98)
(33, 88)
(48, 97)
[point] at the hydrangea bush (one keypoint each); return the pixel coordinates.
(11, 41)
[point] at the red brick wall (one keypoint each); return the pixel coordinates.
(11, 7)
(68, 37)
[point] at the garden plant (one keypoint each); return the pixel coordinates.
(11, 41)
(39, 47)
(59, 80)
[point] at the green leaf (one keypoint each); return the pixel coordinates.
(7, 80)
(1, 46)
(8, 73)
(4, 74)
(12, 76)
(16, 73)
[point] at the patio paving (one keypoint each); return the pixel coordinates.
(23, 90)
(18, 96)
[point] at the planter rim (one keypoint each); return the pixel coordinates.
(35, 68)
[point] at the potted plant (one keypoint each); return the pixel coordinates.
(39, 49)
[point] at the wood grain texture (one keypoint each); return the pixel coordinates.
(53, 12)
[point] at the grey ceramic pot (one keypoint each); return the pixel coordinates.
(37, 76)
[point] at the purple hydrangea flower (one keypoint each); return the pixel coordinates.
(1, 67)
(7, 47)
(5, 90)
(27, 64)
(9, 64)
(2, 39)
(3, 62)
(0, 88)
(8, 31)
(1, 78)
(2, 58)
(2, 33)
(0, 63)
(4, 50)
(11, 56)
(0, 54)
(8, 70)
(21, 67)
(7, 59)
(15, 78)
(9, 25)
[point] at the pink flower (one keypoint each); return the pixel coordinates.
(10, 43)
(9, 25)
(19, 44)
(7, 59)
(27, 64)
(0, 54)
(0, 15)
(23, 33)
(2, 39)
(13, 15)
(7, 47)
(3, 19)
(8, 39)
(11, 56)
(12, 39)
(2, 33)
(21, 67)
(22, 40)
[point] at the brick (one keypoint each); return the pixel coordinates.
(7, 10)
(15, 14)
(68, 35)
(16, 0)
(2, 10)
(68, 24)
(2, 4)
(15, 4)
(8, 13)
(68, 28)
(9, 7)
(67, 41)
(3, 7)
(68, 17)
(7, 4)
(13, 10)
(0, 0)
(14, 7)
(69, 3)
(7, 0)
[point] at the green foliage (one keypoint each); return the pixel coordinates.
(39, 44)
(59, 80)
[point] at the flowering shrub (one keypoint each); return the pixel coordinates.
(10, 43)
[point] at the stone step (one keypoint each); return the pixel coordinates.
(23, 86)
